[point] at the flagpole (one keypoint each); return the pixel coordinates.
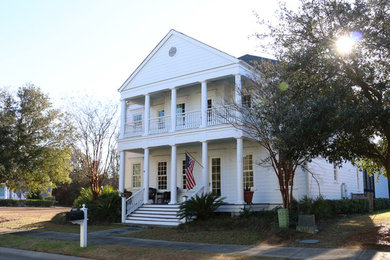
(194, 158)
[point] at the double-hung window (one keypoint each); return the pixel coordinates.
(184, 175)
(162, 180)
(136, 175)
(248, 171)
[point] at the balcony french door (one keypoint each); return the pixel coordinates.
(180, 115)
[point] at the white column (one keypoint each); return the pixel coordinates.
(123, 118)
(147, 113)
(146, 175)
(238, 93)
(240, 171)
(122, 167)
(173, 175)
(173, 109)
(204, 103)
(205, 164)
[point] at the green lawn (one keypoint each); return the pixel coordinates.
(36, 218)
(107, 251)
(369, 231)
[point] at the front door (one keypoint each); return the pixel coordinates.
(216, 176)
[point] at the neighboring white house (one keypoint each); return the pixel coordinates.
(6, 193)
(170, 106)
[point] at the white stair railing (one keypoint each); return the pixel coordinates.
(199, 191)
(135, 201)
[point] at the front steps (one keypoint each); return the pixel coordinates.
(155, 215)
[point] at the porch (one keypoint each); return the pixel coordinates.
(156, 175)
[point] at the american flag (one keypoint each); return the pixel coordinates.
(190, 180)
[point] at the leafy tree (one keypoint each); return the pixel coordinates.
(335, 57)
(66, 193)
(35, 141)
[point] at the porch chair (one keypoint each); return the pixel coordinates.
(152, 194)
(167, 196)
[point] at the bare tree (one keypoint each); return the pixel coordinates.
(97, 127)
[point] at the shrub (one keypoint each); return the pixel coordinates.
(381, 203)
(27, 202)
(59, 218)
(323, 209)
(201, 207)
(106, 208)
(50, 198)
(36, 195)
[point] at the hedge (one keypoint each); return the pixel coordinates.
(381, 204)
(324, 209)
(26, 203)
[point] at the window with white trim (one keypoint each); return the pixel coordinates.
(248, 171)
(335, 173)
(216, 176)
(162, 180)
(246, 100)
(136, 175)
(184, 175)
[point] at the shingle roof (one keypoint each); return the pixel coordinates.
(251, 59)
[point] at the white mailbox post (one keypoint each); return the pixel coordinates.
(83, 227)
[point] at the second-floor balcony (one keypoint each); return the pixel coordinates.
(187, 120)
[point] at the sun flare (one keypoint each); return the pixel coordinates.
(345, 45)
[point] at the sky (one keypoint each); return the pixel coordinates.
(73, 48)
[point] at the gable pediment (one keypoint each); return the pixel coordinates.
(176, 55)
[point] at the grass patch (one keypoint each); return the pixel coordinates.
(219, 230)
(108, 251)
(368, 231)
(45, 219)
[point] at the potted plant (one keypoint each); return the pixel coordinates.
(248, 195)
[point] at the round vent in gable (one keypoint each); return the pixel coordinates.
(172, 51)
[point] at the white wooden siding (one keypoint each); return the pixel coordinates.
(189, 58)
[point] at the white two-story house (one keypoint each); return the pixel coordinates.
(171, 105)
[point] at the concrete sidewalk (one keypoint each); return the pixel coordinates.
(108, 237)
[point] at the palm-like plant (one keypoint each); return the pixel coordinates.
(200, 207)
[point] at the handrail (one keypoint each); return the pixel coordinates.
(134, 128)
(200, 190)
(160, 124)
(135, 201)
(188, 120)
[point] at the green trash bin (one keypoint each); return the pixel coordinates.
(283, 218)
